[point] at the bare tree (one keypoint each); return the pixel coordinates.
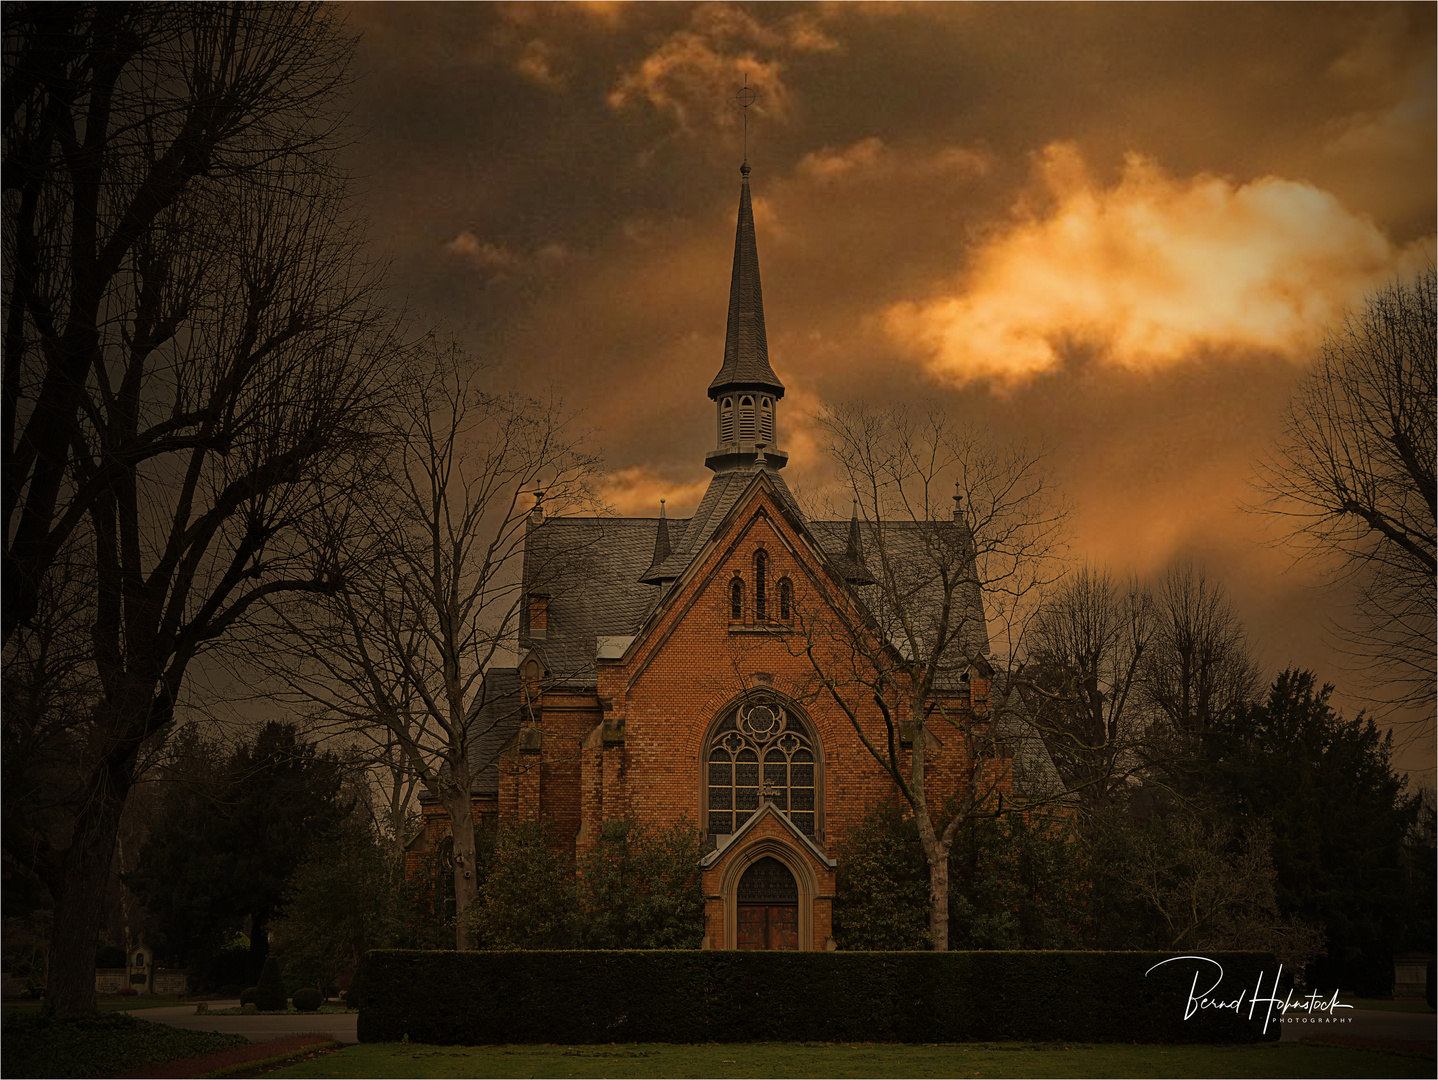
(433, 598)
(191, 367)
(903, 653)
(1353, 476)
(1088, 650)
(1199, 670)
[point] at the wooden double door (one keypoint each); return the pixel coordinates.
(768, 926)
(768, 907)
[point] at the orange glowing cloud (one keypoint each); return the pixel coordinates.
(636, 491)
(1148, 273)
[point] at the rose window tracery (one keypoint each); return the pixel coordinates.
(759, 751)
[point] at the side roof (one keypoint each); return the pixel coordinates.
(591, 569)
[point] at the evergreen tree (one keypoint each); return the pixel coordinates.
(1340, 817)
(231, 833)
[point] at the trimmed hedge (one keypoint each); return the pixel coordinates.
(702, 996)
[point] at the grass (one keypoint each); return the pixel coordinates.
(106, 1003)
(862, 1060)
(98, 1045)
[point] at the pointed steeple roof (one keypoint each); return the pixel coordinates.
(851, 563)
(655, 575)
(746, 347)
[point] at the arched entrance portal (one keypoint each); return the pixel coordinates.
(768, 900)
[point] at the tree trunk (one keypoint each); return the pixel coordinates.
(466, 886)
(79, 893)
(938, 888)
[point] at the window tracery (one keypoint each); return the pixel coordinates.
(760, 751)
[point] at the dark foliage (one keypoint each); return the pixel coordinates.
(247, 995)
(527, 897)
(270, 994)
(1340, 817)
(232, 832)
(1015, 882)
(308, 999)
(99, 1044)
(720, 996)
(342, 901)
(110, 956)
(642, 889)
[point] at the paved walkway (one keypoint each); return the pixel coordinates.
(258, 1028)
(1363, 1024)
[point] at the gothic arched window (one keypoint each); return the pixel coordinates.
(766, 420)
(786, 600)
(736, 600)
(746, 419)
(760, 750)
(726, 420)
(760, 586)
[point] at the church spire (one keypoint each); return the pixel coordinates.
(746, 347)
(746, 391)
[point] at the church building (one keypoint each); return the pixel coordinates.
(666, 671)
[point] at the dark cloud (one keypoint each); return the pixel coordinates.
(1115, 229)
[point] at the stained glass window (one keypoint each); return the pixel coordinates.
(759, 752)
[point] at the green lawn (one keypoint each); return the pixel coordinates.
(863, 1060)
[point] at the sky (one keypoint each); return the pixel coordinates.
(1116, 233)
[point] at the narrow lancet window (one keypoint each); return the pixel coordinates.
(726, 420)
(760, 566)
(746, 419)
(736, 600)
(766, 421)
(786, 600)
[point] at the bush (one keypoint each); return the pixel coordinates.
(528, 900)
(247, 995)
(127, 991)
(642, 889)
(270, 995)
(308, 999)
(110, 956)
(588, 997)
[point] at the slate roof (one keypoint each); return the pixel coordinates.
(493, 724)
(591, 567)
(912, 554)
(746, 348)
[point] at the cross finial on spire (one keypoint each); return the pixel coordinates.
(746, 97)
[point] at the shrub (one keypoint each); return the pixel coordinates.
(127, 991)
(247, 995)
(528, 899)
(588, 997)
(110, 956)
(270, 993)
(308, 999)
(642, 889)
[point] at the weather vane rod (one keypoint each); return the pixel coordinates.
(746, 97)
